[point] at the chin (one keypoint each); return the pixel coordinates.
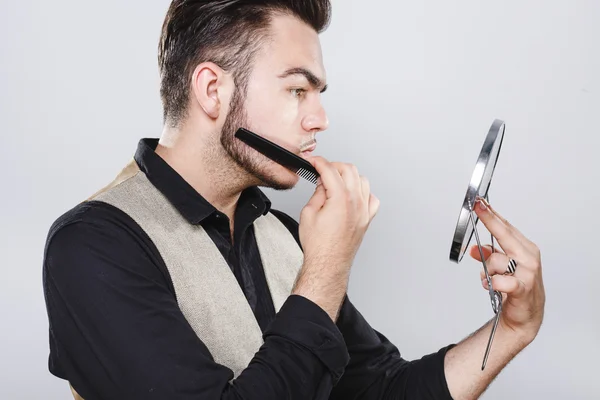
(280, 180)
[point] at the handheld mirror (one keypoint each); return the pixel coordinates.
(466, 227)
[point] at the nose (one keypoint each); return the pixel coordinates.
(316, 120)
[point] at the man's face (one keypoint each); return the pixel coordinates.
(282, 101)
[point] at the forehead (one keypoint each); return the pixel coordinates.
(292, 44)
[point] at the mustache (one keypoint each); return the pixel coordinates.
(305, 145)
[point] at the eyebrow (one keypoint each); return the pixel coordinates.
(314, 80)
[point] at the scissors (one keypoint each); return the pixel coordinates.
(495, 296)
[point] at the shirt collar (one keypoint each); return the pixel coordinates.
(181, 194)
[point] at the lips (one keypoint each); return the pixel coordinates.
(309, 149)
(307, 152)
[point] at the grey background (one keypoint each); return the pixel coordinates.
(414, 87)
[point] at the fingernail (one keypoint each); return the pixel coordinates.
(482, 205)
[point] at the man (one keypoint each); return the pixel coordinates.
(179, 281)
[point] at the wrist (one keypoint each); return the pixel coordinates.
(320, 281)
(521, 335)
(326, 267)
(323, 287)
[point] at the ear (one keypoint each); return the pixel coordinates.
(207, 80)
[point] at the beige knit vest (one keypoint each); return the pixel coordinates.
(207, 292)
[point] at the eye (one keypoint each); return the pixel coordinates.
(297, 92)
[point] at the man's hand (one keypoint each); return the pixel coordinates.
(336, 218)
(332, 226)
(523, 292)
(523, 301)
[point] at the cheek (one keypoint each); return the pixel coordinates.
(270, 115)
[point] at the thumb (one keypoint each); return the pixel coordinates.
(318, 199)
(508, 284)
(373, 206)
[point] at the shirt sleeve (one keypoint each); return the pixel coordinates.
(116, 330)
(376, 369)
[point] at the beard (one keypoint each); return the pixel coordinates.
(253, 162)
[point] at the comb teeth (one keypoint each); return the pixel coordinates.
(308, 175)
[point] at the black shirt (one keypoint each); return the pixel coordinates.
(116, 331)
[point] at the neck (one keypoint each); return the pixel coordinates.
(205, 165)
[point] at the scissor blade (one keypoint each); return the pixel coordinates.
(492, 333)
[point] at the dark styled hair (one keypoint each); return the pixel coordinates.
(226, 32)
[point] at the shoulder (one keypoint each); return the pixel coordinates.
(95, 238)
(88, 212)
(92, 220)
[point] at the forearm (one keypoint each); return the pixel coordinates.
(462, 365)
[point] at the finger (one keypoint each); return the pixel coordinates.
(366, 189)
(510, 285)
(330, 176)
(516, 232)
(373, 206)
(487, 251)
(496, 264)
(349, 174)
(318, 199)
(506, 238)
(366, 197)
(531, 253)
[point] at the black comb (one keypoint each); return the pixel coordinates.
(278, 154)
